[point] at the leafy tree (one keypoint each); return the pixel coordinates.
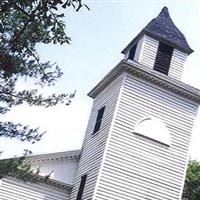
(191, 189)
(17, 168)
(23, 25)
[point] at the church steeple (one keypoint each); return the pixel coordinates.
(160, 46)
(163, 28)
(140, 126)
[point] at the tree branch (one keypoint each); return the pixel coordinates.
(31, 17)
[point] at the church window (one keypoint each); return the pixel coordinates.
(98, 120)
(154, 129)
(163, 58)
(132, 52)
(81, 187)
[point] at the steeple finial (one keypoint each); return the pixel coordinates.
(164, 12)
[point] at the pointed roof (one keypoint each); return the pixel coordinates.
(163, 28)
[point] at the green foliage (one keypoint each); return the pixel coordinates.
(192, 182)
(18, 168)
(23, 25)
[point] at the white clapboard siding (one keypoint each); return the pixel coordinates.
(177, 64)
(94, 145)
(146, 51)
(139, 49)
(12, 189)
(136, 167)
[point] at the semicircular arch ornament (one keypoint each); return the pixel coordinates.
(153, 128)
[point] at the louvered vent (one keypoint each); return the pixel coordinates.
(163, 58)
(132, 52)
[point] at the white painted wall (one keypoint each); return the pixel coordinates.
(136, 167)
(147, 51)
(177, 64)
(94, 145)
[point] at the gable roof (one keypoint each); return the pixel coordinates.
(163, 28)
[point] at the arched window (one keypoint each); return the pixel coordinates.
(154, 129)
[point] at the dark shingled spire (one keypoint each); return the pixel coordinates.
(162, 27)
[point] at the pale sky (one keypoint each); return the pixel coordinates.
(98, 37)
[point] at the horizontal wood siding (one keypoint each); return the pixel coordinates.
(12, 189)
(139, 49)
(93, 145)
(177, 64)
(136, 167)
(148, 51)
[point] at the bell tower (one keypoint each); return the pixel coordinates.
(160, 46)
(138, 134)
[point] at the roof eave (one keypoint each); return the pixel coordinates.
(159, 38)
(106, 78)
(133, 42)
(149, 75)
(66, 155)
(50, 182)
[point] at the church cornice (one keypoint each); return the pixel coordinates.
(58, 156)
(149, 75)
(50, 182)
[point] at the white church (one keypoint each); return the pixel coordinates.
(137, 138)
